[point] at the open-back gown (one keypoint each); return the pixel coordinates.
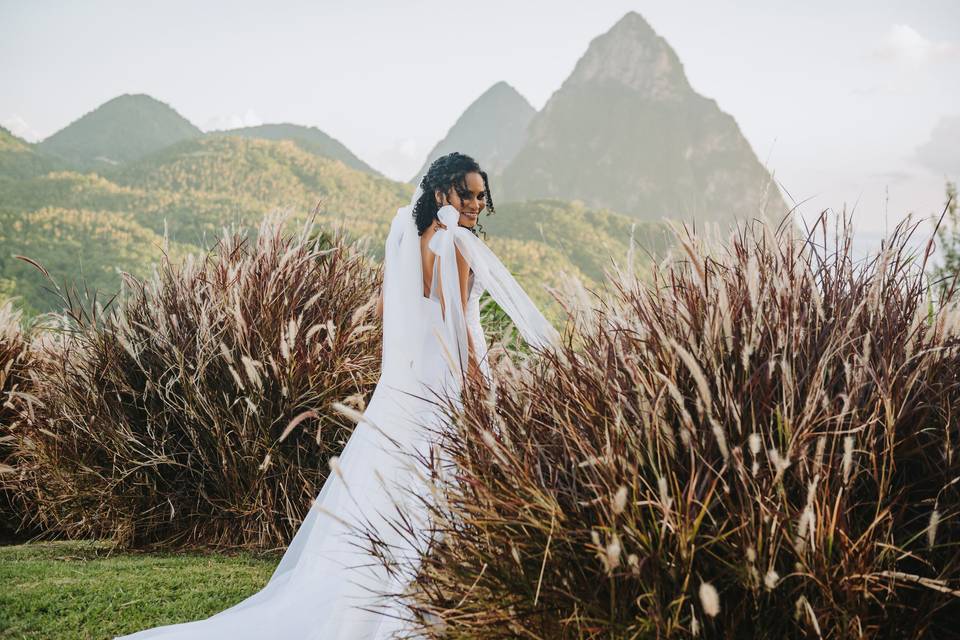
(324, 577)
(326, 584)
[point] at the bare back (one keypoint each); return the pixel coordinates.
(427, 262)
(427, 259)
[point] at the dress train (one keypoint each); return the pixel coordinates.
(326, 584)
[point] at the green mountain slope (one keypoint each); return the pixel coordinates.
(208, 181)
(19, 159)
(75, 246)
(189, 190)
(309, 139)
(589, 239)
(123, 129)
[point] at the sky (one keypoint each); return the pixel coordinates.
(835, 98)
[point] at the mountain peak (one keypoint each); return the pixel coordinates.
(124, 128)
(634, 24)
(134, 97)
(501, 95)
(627, 132)
(491, 129)
(501, 87)
(631, 54)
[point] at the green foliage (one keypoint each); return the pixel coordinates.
(190, 190)
(947, 271)
(19, 159)
(172, 418)
(310, 139)
(238, 180)
(758, 443)
(590, 239)
(122, 129)
(79, 248)
(85, 590)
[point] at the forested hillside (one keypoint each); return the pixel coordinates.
(92, 226)
(125, 128)
(309, 139)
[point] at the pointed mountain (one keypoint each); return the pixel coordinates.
(310, 139)
(627, 131)
(208, 181)
(492, 130)
(125, 128)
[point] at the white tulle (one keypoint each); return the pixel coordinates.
(325, 586)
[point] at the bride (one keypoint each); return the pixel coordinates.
(435, 268)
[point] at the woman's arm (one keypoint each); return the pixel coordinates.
(463, 274)
(463, 271)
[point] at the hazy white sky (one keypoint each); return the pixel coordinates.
(834, 96)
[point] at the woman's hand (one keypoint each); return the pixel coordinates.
(442, 201)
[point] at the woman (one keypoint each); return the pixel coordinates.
(435, 268)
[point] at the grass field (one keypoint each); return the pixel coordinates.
(78, 590)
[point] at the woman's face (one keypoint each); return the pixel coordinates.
(470, 203)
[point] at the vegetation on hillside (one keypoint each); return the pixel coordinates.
(125, 128)
(19, 159)
(80, 249)
(309, 139)
(189, 191)
(947, 272)
(196, 410)
(761, 442)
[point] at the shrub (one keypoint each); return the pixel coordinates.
(17, 361)
(761, 443)
(196, 410)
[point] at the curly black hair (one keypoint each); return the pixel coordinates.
(444, 172)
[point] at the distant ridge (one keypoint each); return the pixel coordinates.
(125, 128)
(310, 139)
(492, 129)
(20, 159)
(11, 142)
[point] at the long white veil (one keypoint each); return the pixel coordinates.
(322, 576)
(403, 286)
(490, 272)
(402, 291)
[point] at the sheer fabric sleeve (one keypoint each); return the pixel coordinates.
(496, 279)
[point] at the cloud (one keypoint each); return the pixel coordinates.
(20, 128)
(903, 43)
(941, 152)
(233, 121)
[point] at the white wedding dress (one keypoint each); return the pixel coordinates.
(326, 584)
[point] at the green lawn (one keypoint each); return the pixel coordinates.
(74, 590)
